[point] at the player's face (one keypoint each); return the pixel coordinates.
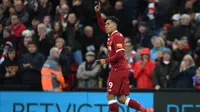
(110, 27)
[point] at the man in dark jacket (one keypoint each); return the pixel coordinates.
(144, 35)
(184, 29)
(46, 40)
(31, 65)
(20, 11)
(163, 69)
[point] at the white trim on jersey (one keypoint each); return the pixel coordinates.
(120, 50)
(112, 101)
(127, 101)
(112, 33)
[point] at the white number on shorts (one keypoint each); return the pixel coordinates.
(110, 84)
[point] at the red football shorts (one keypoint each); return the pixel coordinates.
(118, 82)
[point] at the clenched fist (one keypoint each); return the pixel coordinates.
(97, 8)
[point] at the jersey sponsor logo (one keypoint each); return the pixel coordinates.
(119, 46)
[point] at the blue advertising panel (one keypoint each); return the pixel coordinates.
(64, 102)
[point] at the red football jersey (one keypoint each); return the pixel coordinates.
(115, 44)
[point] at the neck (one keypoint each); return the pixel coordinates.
(113, 32)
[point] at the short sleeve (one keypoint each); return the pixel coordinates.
(118, 43)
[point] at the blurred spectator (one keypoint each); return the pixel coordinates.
(34, 23)
(182, 78)
(188, 4)
(31, 6)
(4, 10)
(47, 23)
(158, 48)
(197, 24)
(46, 40)
(7, 36)
(197, 54)
(184, 29)
(137, 56)
(1, 31)
(155, 16)
(120, 12)
(9, 69)
(144, 69)
(31, 64)
(62, 12)
(180, 49)
(52, 77)
(196, 79)
(165, 29)
(65, 59)
(11, 11)
(90, 40)
(16, 26)
(106, 8)
(105, 69)
(27, 37)
(130, 53)
(176, 19)
(57, 30)
(143, 37)
(6, 46)
(88, 71)
(164, 68)
(44, 8)
(72, 37)
(65, 62)
(21, 12)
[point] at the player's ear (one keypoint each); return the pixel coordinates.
(115, 26)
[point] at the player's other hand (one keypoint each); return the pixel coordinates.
(101, 61)
(97, 8)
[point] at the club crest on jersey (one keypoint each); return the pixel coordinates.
(119, 46)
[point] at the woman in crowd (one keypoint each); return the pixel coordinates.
(182, 78)
(158, 48)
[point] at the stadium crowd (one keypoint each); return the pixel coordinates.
(49, 44)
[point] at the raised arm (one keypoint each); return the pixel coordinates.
(100, 20)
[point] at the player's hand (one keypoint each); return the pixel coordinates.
(101, 61)
(97, 8)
